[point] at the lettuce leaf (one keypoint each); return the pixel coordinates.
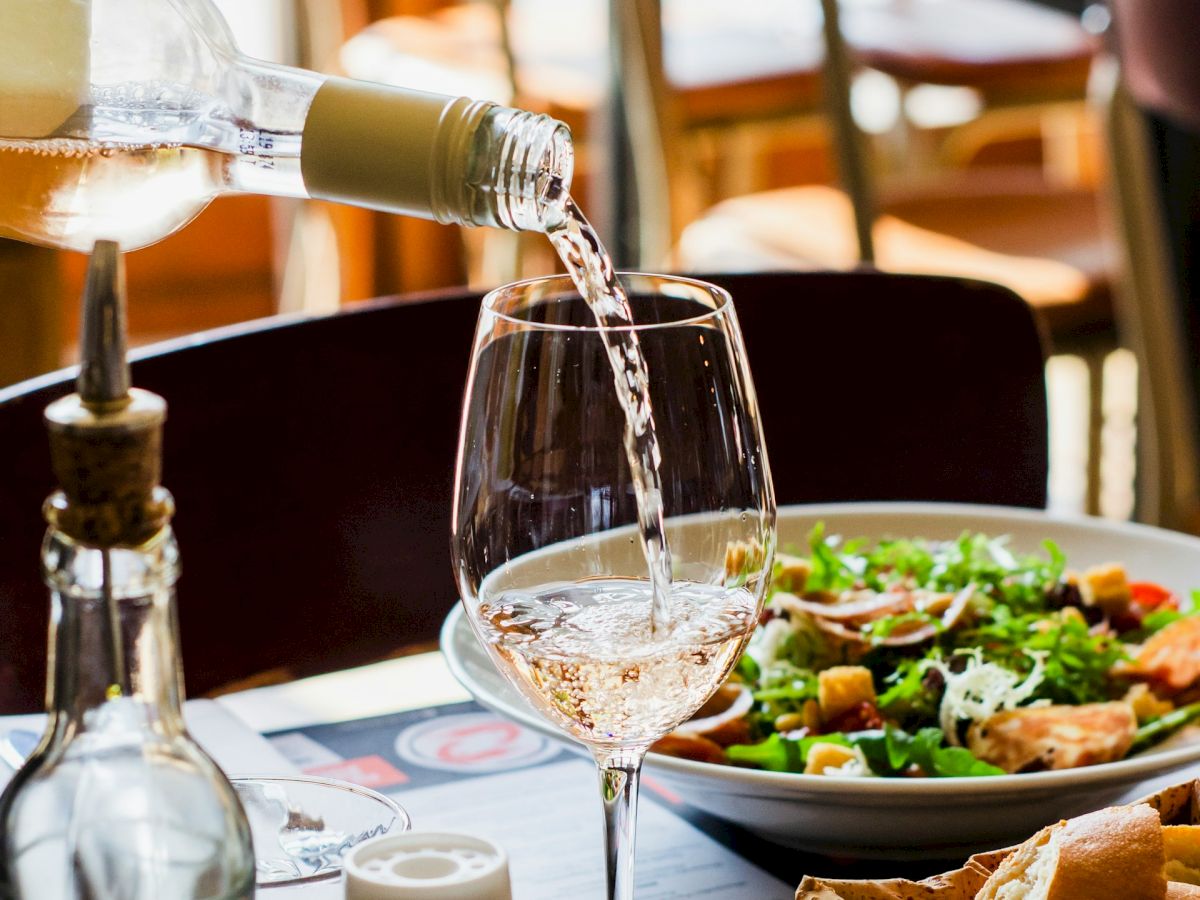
(889, 752)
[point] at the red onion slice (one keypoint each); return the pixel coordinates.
(841, 612)
(736, 710)
(950, 618)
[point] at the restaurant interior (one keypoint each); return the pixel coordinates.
(960, 237)
(980, 147)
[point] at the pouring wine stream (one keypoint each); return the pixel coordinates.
(591, 269)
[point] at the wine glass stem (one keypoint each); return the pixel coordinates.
(619, 775)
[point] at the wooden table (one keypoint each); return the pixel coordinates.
(1005, 48)
(1028, 64)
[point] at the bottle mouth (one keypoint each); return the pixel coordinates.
(540, 158)
(519, 174)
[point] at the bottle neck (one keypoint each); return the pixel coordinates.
(114, 663)
(450, 159)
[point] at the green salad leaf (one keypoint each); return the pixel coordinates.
(781, 754)
(832, 570)
(1158, 728)
(911, 698)
(1021, 581)
(784, 688)
(889, 751)
(1152, 623)
(1077, 664)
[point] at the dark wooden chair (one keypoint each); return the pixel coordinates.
(312, 459)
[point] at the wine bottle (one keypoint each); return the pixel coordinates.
(122, 119)
(117, 800)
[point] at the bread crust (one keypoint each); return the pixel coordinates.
(1116, 852)
(1112, 854)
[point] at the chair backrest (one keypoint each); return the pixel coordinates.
(879, 386)
(311, 464)
(311, 460)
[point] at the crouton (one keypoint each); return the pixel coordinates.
(843, 687)
(1106, 588)
(822, 756)
(791, 573)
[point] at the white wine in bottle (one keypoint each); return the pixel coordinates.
(122, 119)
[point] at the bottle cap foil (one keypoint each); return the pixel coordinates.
(427, 865)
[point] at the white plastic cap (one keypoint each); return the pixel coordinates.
(426, 865)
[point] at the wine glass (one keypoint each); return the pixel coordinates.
(552, 559)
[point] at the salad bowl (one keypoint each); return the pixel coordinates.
(907, 817)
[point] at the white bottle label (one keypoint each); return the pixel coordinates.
(44, 64)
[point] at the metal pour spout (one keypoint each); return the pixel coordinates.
(104, 380)
(106, 439)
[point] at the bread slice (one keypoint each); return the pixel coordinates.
(1113, 854)
(1178, 891)
(1181, 844)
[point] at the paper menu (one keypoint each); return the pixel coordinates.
(460, 768)
(236, 748)
(548, 820)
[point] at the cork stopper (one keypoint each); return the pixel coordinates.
(106, 439)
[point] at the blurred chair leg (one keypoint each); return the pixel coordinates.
(853, 162)
(30, 311)
(493, 257)
(1093, 357)
(308, 269)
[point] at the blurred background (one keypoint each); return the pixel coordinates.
(958, 136)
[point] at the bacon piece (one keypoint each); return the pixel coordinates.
(689, 746)
(1172, 656)
(1054, 737)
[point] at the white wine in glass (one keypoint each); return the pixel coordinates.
(556, 562)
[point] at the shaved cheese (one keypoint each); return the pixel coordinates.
(44, 64)
(769, 639)
(983, 689)
(854, 768)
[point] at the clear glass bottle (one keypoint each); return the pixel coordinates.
(122, 119)
(117, 801)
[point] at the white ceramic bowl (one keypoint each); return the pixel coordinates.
(897, 818)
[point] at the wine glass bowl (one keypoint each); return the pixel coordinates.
(553, 546)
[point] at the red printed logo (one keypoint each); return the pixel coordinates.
(368, 771)
(473, 742)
